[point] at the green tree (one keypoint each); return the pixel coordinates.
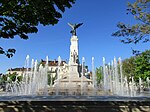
(21, 17)
(137, 66)
(142, 65)
(12, 76)
(128, 67)
(3, 79)
(99, 74)
(139, 32)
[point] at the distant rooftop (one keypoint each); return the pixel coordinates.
(18, 69)
(52, 63)
(43, 62)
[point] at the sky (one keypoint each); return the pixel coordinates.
(99, 18)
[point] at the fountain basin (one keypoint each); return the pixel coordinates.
(73, 98)
(74, 104)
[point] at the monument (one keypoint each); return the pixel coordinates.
(73, 81)
(74, 57)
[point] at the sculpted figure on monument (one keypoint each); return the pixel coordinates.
(74, 56)
(74, 27)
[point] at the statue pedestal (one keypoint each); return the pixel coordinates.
(73, 68)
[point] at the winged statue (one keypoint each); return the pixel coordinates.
(74, 27)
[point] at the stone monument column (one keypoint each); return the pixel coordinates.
(73, 51)
(74, 58)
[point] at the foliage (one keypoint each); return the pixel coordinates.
(3, 78)
(99, 74)
(9, 53)
(139, 32)
(51, 79)
(21, 17)
(142, 65)
(137, 66)
(19, 78)
(14, 77)
(128, 67)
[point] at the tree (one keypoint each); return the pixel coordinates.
(14, 77)
(128, 67)
(99, 74)
(139, 32)
(137, 66)
(142, 65)
(21, 17)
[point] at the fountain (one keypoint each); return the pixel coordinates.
(71, 83)
(148, 82)
(35, 81)
(74, 81)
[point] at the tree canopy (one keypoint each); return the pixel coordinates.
(139, 32)
(128, 66)
(137, 66)
(21, 17)
(142, 65)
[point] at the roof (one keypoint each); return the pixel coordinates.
(53, 63)
(18, 69)
(50, 63)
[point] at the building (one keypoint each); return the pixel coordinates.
(18, 71)
(52, 68)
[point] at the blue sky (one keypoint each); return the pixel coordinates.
(99, 19)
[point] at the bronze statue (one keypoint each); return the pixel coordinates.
(74, 27)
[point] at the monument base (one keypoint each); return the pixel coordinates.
(71, 84)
